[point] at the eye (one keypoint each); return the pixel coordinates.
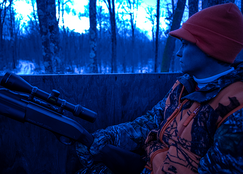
(184, 43)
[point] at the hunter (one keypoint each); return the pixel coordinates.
(198, 126)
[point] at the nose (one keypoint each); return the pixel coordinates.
(179, 52)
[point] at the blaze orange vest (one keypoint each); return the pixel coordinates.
(168, 157)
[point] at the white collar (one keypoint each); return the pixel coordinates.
(203, 82)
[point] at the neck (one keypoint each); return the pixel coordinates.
(203, 82)
(211, 70)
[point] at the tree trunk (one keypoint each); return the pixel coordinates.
(99, 20)
(1, 44)
(209, 3)
(153, 38)
(111, 7)
(193, 7)
(157, 37)
(173, 6)
(170, 42)
(133, 42)
(124, 47)
(131, 13)
(242, 6)
(151, 18)
(49, 31)
(65, 46)
(12, 36)
(93, 37)
(3, 9)
(124, 53)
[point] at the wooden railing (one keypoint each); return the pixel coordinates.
(117, 98)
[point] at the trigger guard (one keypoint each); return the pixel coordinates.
(64, 140)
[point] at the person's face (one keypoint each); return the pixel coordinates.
(192, 59)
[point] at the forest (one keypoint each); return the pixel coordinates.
(112, 44)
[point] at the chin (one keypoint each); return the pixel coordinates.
(186, 72)
(183, 71)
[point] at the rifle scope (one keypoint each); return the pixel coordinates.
(16, 83)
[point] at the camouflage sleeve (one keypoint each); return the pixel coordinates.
(131, 135)
(226, 154)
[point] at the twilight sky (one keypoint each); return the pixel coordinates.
(80, 25)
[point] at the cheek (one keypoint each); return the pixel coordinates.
(190, 57)
(186, 58)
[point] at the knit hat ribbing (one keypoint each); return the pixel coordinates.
(216, 30)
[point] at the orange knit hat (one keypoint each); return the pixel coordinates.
(216, 30)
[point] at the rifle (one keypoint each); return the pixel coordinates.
(46, 110)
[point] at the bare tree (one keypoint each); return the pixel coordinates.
(4, 6)
(102, 20)
(151, 17)
(49, 31)
(111, 7)
(12, 29)
(157, 37)
(62, 4)
(133, 4)
(193, 7)
(170, 42)
(93, 36)
(123, 39)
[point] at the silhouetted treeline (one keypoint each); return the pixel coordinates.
(123, 48)
(74, 51)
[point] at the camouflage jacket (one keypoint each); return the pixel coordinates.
(201, 148)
